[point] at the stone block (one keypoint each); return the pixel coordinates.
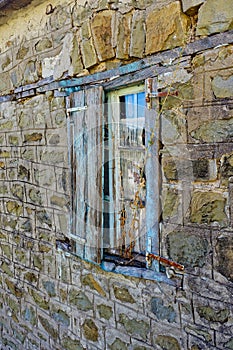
(76, 60)
(88, 53)
(214, 16)
(224, 256)
(132, 323)
(207, 287)
(191, 6)
(6, 84)
(138, 35)
(101, 26)
(222, 87)
(213, 314)
(43, 44)
(60, 17)
(22, 52)
(14, 208)
(48, 325)
(34, 137)
(117, 340)
(18, 191)
(81, 13)
(167, 342)
(169, 336)
(188, 249)
(123, 36)
(166, 28)
(80, 300)
(88, 280)
(6, 125)
(49, 156)
(71, 344)
(208, 207)
(224, 341)
(90, 330)
(173, 127)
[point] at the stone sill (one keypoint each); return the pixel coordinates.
(142, 273)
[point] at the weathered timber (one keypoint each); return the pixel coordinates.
(166, 59)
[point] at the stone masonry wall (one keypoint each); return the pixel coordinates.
(49, 300)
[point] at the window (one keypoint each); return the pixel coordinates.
(115, 176)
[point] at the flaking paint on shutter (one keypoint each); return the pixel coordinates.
(85, 130)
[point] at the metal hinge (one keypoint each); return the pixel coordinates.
(150, 94)
(76, 109)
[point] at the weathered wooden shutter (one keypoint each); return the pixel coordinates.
(85, 138)
(153, 210)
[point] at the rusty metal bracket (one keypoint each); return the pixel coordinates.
(150, 94)
(163, 261)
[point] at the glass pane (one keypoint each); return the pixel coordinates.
(132, 121)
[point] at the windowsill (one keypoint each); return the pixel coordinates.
(132, 271)
(142, 273)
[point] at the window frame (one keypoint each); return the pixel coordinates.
(152, 119)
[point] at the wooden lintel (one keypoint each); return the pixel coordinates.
(167, 58)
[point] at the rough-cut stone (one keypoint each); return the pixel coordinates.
(190, 6)
(30, 315)
(80, 300)
(187, 249)
(61, 317)
(33, 137)
(123, 294)
(167, 342)
(75, 55)
(17, 191)
(70, 344)
(138, 328)
(213, 315)
(222, 87)
(88, 280)
(170, 203)
(14, 208)
(90, 330)
(105, 311)
(214, 130)
(162, 311)
(214, 16)
(123, 38)
(102, 32)
(169, 169)
(44, 217)
(35, 196)
(30, 73)
(88, 53)
(59, 201)
(43, 45)
(6, 125)
(22, 52)
(48, 327)
(224, 250)
(166, 28)
(118, 344)
(40, 300)
(138, 35)
(208, 207)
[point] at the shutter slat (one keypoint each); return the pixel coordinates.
(153, 174)
(87, 173)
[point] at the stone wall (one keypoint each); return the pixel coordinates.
(50, 300)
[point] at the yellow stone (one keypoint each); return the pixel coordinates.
(166, 28)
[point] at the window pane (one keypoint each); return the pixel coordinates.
(132, 121)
